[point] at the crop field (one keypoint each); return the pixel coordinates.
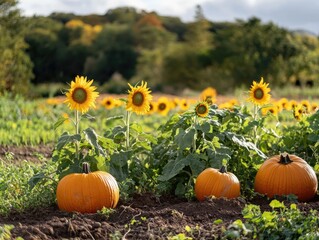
(174, 167)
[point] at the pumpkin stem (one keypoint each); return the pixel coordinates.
(284, 158)
(86, 167)
(223, 169)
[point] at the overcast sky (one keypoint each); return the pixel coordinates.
(290, 14)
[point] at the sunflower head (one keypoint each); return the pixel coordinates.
(183, 104)
(208, 95)
(259, 93)
(163, 106)
(298, 111)
(270, 110)
(108, 102)
(81, 96)
(202, 109)
(153, 108)
(306, 104)
(314, 106)
(139, 99)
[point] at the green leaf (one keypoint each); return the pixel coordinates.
(121, 158)
(173, 167)
(92, 138)
(35, 179)
(101, 164)
(196, 164)
(276, 204)
(268, 216)
(206, 127)
(180, 189)
(218, 221)
(59, 122)
(110, 119)
(88, 116)
(65, 138)
(185, 139)
(241, 141)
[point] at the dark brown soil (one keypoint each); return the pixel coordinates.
(143, 217)
(29, 153)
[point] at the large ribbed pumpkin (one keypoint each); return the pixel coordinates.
(286, 174)
(87, 192)
(217, 183)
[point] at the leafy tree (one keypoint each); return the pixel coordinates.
(174, 25)
(181, 67)
(44, 48)
(122, 15)
(198, 33)
(113, 51)
(249, 50)
(15, 64)
(303, 65)
(150, 33)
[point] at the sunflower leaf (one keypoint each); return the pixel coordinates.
(66, 138)
(88, 116)
(92, 138)
(59, 122)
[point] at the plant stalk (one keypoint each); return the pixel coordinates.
(195, 135)
(127, 133)
(77, 130)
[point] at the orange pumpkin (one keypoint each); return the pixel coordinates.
(87, 192)
(286, 174)
(217, 183)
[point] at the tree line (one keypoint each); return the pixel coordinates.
(126, 44)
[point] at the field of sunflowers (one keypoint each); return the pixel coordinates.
(151, 166)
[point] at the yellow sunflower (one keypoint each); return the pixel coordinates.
(293, 103)
(298, 111)
(81, 96)
(153, 108)
(139, 99)
(108, 102)
(314, 106)
(259, 93)
(183, 104)
(272, 110)
(202, 109)
(209, 95)
(285, 104)
(163, 106)
(306, 104)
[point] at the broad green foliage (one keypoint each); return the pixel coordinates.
(280, 223)
(187, 145)
(165, 154)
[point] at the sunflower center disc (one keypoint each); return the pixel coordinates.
(259, 93)
(138, 99)
(161, 106)
(79, 95)
(201, 109)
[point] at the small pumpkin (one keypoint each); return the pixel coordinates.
(217, 183)
(87, 192)
(286, 174)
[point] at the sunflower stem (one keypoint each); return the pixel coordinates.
(195, 135)
(255, 127)
(77, 123)
(127, 134)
